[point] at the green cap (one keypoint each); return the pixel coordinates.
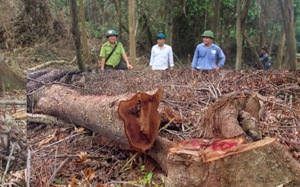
(161, 35)
(209, 34)
(111, 33)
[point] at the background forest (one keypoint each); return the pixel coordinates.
(260, 22)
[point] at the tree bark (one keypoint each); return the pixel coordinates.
(253, 50)
(287, 10)
(280, 49)
(132, 48)
(119, 10)
(83, 32)
(76, 34)
(238, 37)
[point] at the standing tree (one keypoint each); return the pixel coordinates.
(83, 32)
(76, 34)
(131, 18)
(287, 11)
(238, 36)
(119, 10)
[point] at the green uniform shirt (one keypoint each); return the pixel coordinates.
(115, 58)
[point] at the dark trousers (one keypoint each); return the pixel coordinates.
(121, 66)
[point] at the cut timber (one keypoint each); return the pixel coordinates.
(229, 163)
(101, 114)
(233, 116)
(141, 119)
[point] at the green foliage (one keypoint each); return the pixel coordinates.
(147, 179)
(198, 8)
(94, 30)
(253, 12)
(297, 31)
(297, 24)
(8, 86)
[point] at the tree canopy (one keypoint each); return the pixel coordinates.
(183, 22)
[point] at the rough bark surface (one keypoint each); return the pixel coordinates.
(233, 116)
(105, 114)
(264, 163)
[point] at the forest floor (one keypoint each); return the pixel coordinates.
(62, 155)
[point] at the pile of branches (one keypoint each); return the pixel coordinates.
(13, 152)
(188, 93)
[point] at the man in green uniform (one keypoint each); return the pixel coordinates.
(112, 53)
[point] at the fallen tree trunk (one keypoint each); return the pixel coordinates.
(129, 119)
(205, 162)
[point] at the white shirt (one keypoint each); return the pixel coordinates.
(161, 56)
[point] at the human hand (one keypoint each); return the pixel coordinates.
(129, 66)
(217, 69)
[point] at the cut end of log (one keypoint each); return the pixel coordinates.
(141, 119)
(211, 150)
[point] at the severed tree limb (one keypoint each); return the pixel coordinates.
(46, 119)
(8, 162)
(28, 167)
(50, 63)
(66, 161)
(13, 102)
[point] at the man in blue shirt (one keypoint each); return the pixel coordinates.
(208, 56)
(264, 57)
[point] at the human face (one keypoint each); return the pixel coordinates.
(112, 39)
(160, 41)
(207, 41)
(262, 51)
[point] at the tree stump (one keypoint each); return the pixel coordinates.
(263, 163)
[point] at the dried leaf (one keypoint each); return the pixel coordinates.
(73, 182)
(48, 139)
(89, 174)
(79, 130)
(83, 156)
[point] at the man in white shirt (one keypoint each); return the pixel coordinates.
(161, 54)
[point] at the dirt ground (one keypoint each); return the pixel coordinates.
(65, 154)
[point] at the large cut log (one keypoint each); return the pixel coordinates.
(223, 159)
(106, 115)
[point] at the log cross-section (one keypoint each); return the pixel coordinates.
(141, 119)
